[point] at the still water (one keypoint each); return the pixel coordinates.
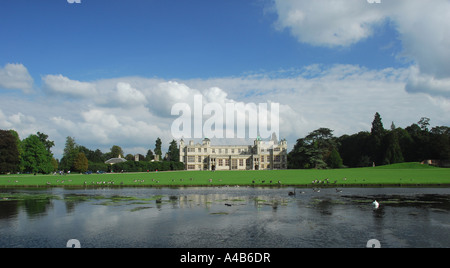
(224, 217)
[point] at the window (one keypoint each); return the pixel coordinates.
(227, 162)
(191, 159)
(205, 150)
(277, 158)
(232, 151)
(191, 166)
(199, 159)
(220, 162)
(277, 149)
(262, 158)
(213, 151)
(241, 162)
(234, 164)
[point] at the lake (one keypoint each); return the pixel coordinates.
(225, 217)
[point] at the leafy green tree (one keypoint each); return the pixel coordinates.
(334, 160)
(354, 149)
(80, 163)
(393, 152)
(116, 151)
(9, 152)
(47, 143)
(314, 150)
(36, 158)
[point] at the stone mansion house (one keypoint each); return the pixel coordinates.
(262, 155)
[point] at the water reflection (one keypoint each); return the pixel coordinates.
(224, 217)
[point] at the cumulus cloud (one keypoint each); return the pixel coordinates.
(16, 76)
(138, 110)
(128, 96)
(328, 23)
(423, 28)
(62, 85)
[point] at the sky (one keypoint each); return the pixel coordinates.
(108, 72)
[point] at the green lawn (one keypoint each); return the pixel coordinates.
(398, 174)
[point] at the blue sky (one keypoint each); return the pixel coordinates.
(329, 63)
(167, 39)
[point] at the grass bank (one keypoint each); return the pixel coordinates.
(405, 174)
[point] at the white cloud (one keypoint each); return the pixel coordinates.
(16, 76)
(127, 95)
(341, 97)
(60, 84)
(423, 28)
(420, 82)
(328, 23)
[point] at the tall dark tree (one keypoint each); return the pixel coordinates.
(158, 150)
(71, 151)
(376, 145)
(173, 153)
(377, 126)
(393, 153)
(9, 152)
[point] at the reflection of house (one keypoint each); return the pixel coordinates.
(262, 155)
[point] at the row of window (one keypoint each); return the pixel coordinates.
(234, 165)
(277, 158)
(226, 151)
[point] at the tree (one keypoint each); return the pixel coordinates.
(424, 122)
(335, 160)
(47, 143)
(393, 152)
(80, 163)
(36, 158)
(149, 156)
(158, 151)
(174, 152)
(376, 145)
(9, 152)
(116, 151)
(377, 126)
(314, 150)
(70, 153)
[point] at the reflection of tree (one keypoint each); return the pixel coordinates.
(33, 204)
(36, 207)
(8, 209)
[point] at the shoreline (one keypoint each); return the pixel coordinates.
(394, 185)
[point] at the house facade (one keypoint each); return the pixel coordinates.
(262, 155)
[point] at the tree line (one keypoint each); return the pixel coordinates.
(33, 155)
(320, 149)
(415, 143)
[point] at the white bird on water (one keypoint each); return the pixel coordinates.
(375, 204)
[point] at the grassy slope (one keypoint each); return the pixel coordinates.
(405, 174)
